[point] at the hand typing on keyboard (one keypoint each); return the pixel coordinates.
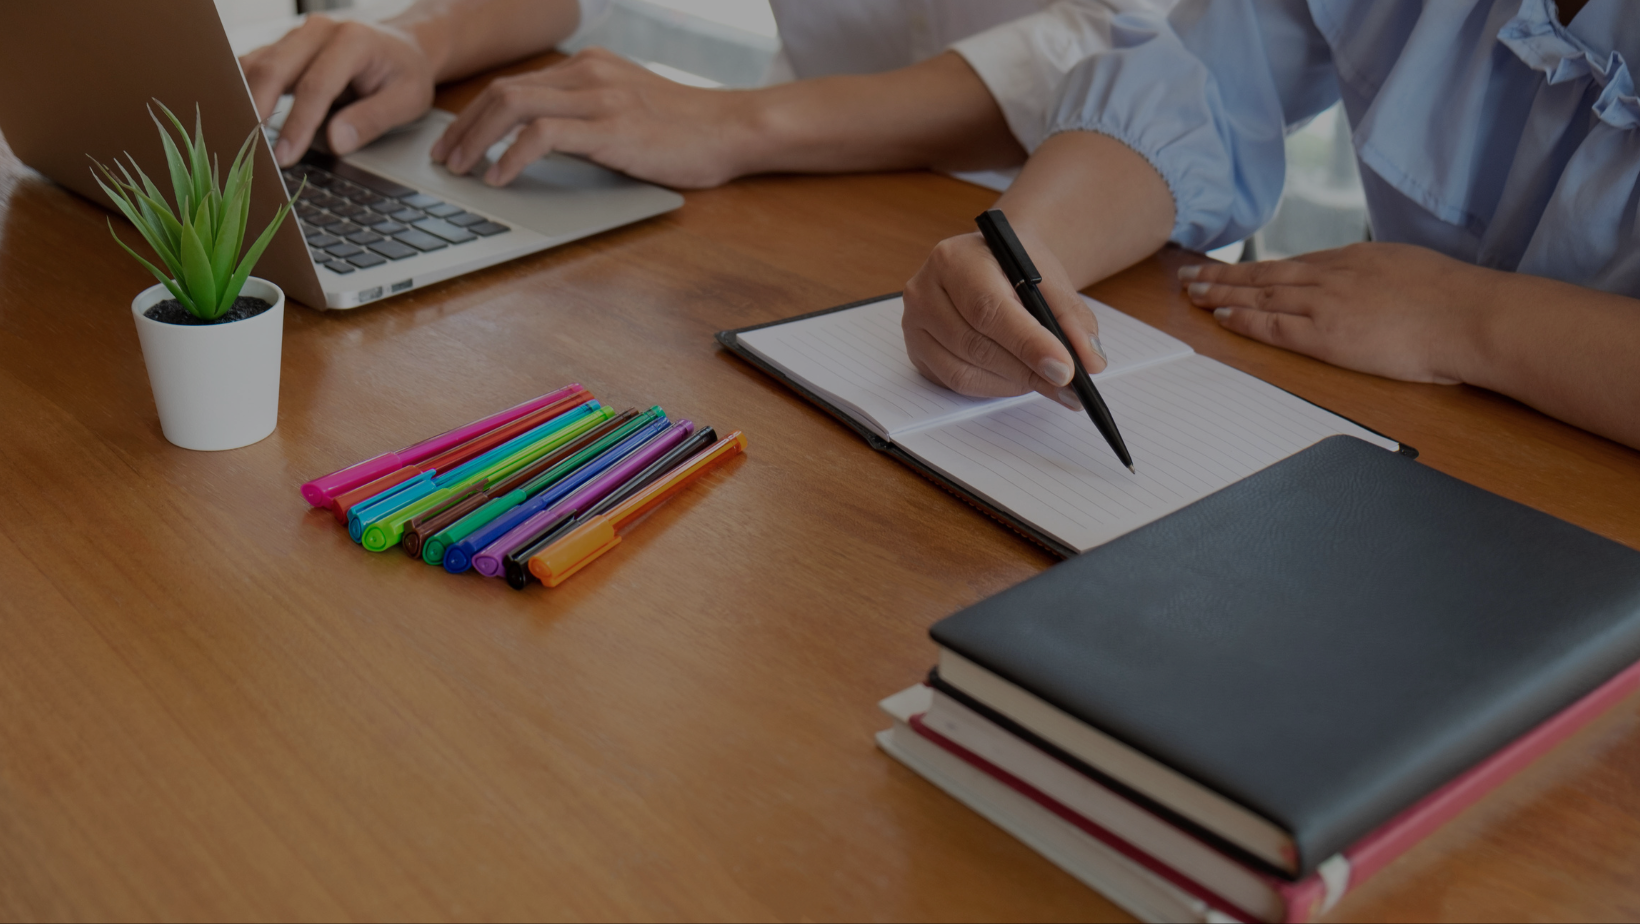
(937, 113)
(391, 66)
(611, 111)
(322, 58)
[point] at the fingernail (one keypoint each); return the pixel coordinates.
(1067, 397)
(343, 138)
(1197, 289)
(1188, 273)
(1054, 371)
(282, 152)
(492, 176)
(1221, 314)
(1098, 348)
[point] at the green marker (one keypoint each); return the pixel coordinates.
(384, 533)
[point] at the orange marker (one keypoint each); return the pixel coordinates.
(554, 564)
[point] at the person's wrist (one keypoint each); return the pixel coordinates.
(429, 34)
(1464, 347)
(757, 128)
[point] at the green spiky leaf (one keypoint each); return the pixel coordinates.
(123, 203)
(163, 232)
(199, 160)
(176, 291)
(196, 273)
(226, 247)
(182, 184)
(251, 256)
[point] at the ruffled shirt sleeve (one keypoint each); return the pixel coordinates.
(1206, 96)
(1023, 62)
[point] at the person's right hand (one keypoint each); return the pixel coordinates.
(967, 330)
(320, 59)
(613, 112)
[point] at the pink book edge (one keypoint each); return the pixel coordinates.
(1307, 897)
(1394, 837)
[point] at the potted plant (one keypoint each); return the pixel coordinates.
(211, 333)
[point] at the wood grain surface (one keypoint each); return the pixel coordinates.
(213, 705)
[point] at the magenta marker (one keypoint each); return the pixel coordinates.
(321, 490)
(489, 562)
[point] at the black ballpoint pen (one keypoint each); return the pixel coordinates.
(1022, 275)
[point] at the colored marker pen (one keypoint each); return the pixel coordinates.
(321, 490)
(490, 561)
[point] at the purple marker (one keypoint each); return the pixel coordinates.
(489, 562)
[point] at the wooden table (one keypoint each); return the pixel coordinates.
(213, 705)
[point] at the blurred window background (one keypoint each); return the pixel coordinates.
(734, 43)
(1322, 205)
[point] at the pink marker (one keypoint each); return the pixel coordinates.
(321, 490)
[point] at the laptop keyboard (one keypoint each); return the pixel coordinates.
(354, 219)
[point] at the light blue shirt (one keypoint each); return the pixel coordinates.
(1485, 129)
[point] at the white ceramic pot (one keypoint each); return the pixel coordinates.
(216, 385)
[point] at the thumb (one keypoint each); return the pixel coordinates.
(1072, 312)
(1077, 321)
(368, 119)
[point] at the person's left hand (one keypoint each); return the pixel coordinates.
(607, 109)
(1394, 310)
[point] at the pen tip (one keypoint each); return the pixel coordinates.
(1133, 470)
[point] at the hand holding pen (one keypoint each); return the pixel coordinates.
(1023, 276)
(966, 329)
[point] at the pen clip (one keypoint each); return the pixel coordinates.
(1005, 246)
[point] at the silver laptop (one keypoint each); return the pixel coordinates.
(76, 77)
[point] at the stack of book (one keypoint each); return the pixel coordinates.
(1246, 708)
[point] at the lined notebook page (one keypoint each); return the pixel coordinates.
(1193, 426)
(856, 360)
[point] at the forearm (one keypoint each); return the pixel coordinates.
(1098, 205)
(935, 114)
(463, 37)
(1571, 352)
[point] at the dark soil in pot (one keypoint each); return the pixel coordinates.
(171, 311)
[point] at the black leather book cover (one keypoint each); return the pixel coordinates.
(1324, 642)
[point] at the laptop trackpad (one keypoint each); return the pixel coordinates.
(554, 172)
(557, 196)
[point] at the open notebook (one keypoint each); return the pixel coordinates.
(1193, 425)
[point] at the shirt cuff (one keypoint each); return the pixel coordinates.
(1023, 62)
(592, 13)
(1152, 95)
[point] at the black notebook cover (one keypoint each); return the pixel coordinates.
(1324, 642)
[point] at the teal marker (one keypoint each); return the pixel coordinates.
(387, 500)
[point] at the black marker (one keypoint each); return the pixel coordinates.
(1022, 274)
